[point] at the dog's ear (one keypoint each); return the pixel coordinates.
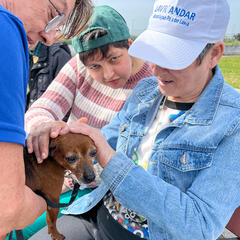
(52, 146)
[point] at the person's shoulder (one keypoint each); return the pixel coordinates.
(75, 68)
(9, 22)
(12, 35)
(230, 96)
(148, 82)
(4, 13)
(59, 46)
(145, 88)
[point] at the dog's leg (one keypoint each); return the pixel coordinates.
(52, 214)
(54, 196)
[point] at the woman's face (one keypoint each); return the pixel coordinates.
(114, 70)
(36, 14)
(184, 85)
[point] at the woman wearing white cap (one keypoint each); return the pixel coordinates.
(171, 159)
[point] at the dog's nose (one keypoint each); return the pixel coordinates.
(88, 175)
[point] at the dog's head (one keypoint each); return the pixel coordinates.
(75, 152)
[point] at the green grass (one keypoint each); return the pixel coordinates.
(231, 42)
(69, 41)
(230, 67)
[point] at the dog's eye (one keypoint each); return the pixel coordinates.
(71, 159)
(93, 153)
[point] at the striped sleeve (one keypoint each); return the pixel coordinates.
(59, 97)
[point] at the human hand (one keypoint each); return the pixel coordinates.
(104, 151)
(82, 120)
(67, 184)
(38, 138)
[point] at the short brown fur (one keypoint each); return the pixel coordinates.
(74, 152)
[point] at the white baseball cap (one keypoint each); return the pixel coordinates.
(178, 31)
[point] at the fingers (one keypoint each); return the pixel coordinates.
(83, 128)
(78, 127)
(82, 120)
(29, 143)
(105, 152)
(67, 185)
(63, 130)
(38, 138)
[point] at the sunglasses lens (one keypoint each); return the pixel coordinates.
(54, 23)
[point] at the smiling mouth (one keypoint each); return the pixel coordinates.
(162, 82)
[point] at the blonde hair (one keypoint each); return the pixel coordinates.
(77, 19)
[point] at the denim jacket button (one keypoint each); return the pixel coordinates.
(123, 127)
(183, 159)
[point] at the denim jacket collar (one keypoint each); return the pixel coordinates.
(201, 113)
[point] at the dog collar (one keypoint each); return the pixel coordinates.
(60, 205)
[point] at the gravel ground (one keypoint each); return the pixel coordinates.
(228, 236)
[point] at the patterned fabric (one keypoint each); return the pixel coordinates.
(74, 89)
(129, 219)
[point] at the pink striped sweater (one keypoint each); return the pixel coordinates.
(75, 89)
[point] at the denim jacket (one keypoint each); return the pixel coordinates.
(191, 186)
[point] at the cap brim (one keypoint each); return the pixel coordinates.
(165, 50)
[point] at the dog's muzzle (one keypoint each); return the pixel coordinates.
(88, 174)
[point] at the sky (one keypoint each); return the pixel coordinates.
(137, 12)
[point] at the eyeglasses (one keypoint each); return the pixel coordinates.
(53, 24)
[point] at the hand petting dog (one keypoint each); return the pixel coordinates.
(62, 133)
(38, 138)
(105, 152)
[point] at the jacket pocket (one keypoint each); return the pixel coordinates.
(186, 160)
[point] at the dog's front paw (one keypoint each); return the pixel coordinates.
(57, 236)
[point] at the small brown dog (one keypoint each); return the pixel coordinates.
(74, 152)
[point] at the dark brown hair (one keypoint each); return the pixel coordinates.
(100, 51)
(204, 53)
